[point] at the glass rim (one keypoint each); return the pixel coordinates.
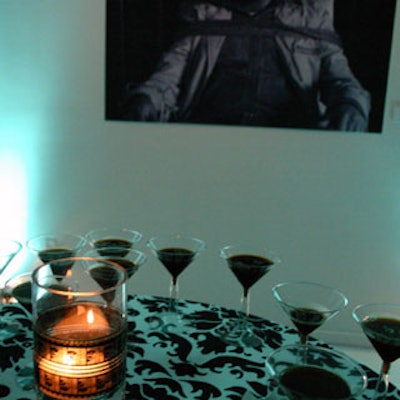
(151, 244)
(89, 235)
(249, 249)
(315, 348)
(95, 250)
(81, 243)
(315, 284)
(388, 306)
(16, 278)
(16, 244)
(74, 293)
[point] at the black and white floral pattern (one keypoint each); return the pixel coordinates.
(196, 361)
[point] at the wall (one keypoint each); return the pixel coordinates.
(329, 203)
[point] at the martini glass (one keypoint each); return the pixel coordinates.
(52, 248)
(19, 289)
(8, 250)
(131, 260)
(381, 324)
(308, 304)
(249, 264)
(118, 238)
(175, 252)
(105, 272)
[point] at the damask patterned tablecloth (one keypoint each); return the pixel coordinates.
(165, 362)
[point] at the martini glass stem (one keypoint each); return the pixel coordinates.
(173, 295)
(245, 303)
(5, 263)
(303, 339)
(244, 310)
(383, 382)
(303, 350)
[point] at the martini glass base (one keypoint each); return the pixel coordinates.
(240, 330)
(382, 384)
(171, 320)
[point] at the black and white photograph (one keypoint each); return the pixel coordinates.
(301, 64)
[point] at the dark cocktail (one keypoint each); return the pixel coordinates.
(19, 288)
(315, 374)
(308, 304)
(249, 264)
(113, 247)
(175, 260)
(381, 324)
(307, 320)
(113, 242)
(175, 252)
(50, 248)
(249, 268)
(129, 259)
(325, 384)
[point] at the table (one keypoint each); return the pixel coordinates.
(162, 362)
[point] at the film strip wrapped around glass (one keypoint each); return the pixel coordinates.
(79, 321)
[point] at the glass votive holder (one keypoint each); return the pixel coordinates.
(79, 325)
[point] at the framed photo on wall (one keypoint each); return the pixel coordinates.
(309, 64)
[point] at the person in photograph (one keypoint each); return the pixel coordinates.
(254, 62)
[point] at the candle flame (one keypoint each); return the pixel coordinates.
(82, 321)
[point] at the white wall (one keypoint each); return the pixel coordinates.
(329, 203)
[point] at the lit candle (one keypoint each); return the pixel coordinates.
(81, 354)
(82, 322)
(79, 334)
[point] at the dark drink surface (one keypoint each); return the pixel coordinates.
(113, 247)
(384, 334)
(306, 320)
(52, 255)
(23, 293)
(307, 382)
(129, 266)
(175, 259)
(248, 268)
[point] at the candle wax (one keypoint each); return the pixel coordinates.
(82, 322)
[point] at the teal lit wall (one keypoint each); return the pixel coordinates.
(328, 202)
